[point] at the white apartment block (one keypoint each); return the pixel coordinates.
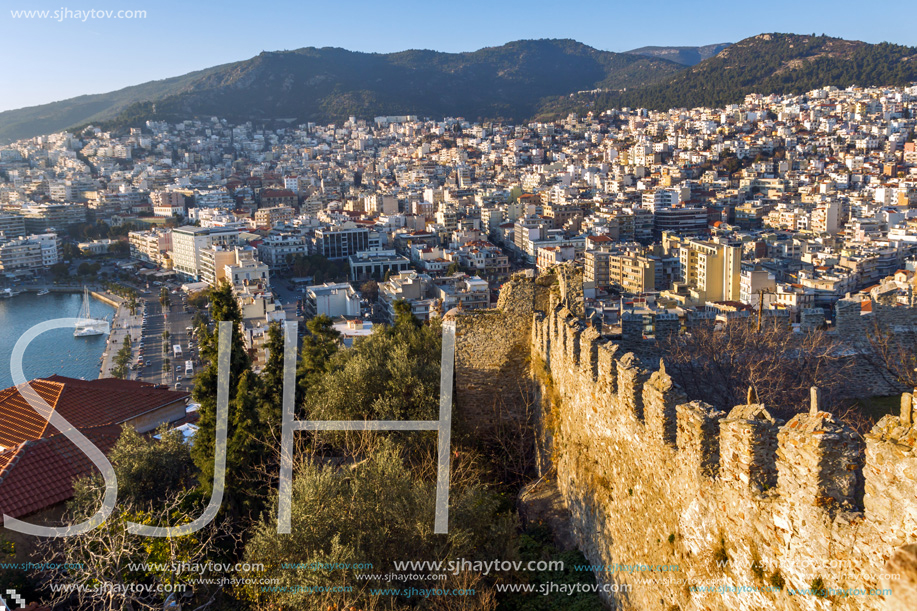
(278, 250)
(152, 246)
(29, 253)
(189, 242)
(12, 225)
(660, 198)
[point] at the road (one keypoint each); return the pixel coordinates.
(174, 320)
(149, 334)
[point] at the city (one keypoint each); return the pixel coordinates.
(611, 355)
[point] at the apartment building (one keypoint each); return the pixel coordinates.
(330, 299)
(268, 217)
(152, 246)
(40, 218)
(12, 226)
(657, 199)
(757, 286)
(410, 287)
(271, 198)
(549, 256)
(628, 272)
(339, 242)
(168, 203)
(484, 258)
(29, 253)
(188, 243)
(247, 270)
(213, 262)
(684, 221)
(712, 268)
(461, 290)
(277, 250)
(595, 269)
(381, 204)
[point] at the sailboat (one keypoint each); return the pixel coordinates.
(86, 325)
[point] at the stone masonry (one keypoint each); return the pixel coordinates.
(802, 515)
(780, 511)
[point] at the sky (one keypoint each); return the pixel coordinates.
(50, 59)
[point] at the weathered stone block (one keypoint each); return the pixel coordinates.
(698, 436)
(748, 447)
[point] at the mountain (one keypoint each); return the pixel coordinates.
(514, 82)
(765, 64)
(331, 84)
(687, 56)
(58, 116)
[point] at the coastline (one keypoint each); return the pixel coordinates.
(63, 355)
(121, 323)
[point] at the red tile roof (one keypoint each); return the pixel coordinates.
(267, 193)
(36, 475)
(84, 403)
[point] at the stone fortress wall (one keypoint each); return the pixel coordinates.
(737, 500)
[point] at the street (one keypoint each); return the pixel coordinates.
(149, 345)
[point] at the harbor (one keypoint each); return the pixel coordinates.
(56, 351)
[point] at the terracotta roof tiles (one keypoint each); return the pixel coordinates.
(84, 403)
(39, 474)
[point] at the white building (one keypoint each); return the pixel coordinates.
(660, 198)
(29, 253)
(153, 246)
(278, 250)
(332, 300)
(188, 242)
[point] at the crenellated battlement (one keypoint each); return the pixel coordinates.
(639, 465)
(654, 479)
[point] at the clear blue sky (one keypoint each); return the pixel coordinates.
(44, 60)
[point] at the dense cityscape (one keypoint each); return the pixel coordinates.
(578, 259)
(794, 201)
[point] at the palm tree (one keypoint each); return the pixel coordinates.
(165, 299)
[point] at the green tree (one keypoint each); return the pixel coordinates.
(370, 290)
(123, 358)
(119, 247)
(272, 378)
(404, 316)
(60, 270)
(87, 269)
(376, 512)
(148, 469)
(165, 299)
(321, 343)
(391, 375)
(152, 478)
(246, 450)
(199, 300)
(69, 251)
(223, 308)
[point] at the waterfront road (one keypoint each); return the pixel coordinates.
(148, 344)
(157, 349)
